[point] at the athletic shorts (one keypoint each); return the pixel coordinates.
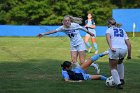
(80, 70)
(120, 53)
(80, 47)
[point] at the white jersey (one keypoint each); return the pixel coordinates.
(73, 33)
(118, 37)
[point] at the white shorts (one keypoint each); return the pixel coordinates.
(120, 53)
(92, 31)
(80, 47)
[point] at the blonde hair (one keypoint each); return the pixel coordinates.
(74, 19)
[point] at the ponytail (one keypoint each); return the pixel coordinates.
(74, 19)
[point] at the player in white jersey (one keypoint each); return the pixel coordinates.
(77, 45)
(119, 45)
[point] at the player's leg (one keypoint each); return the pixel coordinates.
(86, 64)
(81, 52)
(94, 44)
(98, 77)
(86, 40)
(96, 66)
(120, 65)
(113, 61)
(114, 72)
(74, 55)
(82, 56)
(120, 69)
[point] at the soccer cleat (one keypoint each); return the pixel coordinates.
(96, 66)
(96, 52)
(106, 52)
(89, 50)
(98, 71)
(119, 86)
(122, 81)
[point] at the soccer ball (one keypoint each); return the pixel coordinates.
(110, 82)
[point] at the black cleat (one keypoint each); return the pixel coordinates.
(119, 86)
(122, 81)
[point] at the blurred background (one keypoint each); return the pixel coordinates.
(51, 12)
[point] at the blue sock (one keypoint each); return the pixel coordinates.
(103, 78)
(95, 46)
(96, 57)
(88, 44)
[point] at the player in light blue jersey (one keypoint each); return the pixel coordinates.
(90, 25)
(71, 73)
(119, 46)
(71, 28)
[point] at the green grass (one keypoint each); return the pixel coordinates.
(32, 65)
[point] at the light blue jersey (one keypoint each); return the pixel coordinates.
(90, 23)
(76, 70)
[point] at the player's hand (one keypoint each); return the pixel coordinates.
(91, 34)
(128, 57)
(113, 49)
(39, 35)
(86, 26)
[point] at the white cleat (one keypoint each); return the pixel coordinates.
(98, 71)
(106, 52)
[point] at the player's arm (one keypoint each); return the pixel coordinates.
(129, 48)
(85, 30)
(67, 80)
(92, 26)
(109, 41)
(47, 33)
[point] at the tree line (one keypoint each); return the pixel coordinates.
(51, 12)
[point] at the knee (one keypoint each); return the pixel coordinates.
(120, 60)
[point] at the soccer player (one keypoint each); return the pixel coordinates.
(71, 73)
(119, 46)
(71, 28)
(90, 25)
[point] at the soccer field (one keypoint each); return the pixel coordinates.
(32, 65)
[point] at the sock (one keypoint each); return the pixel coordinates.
(96, 57)
(115, 76)
(88, 44)
(103, 77)
(94, 65)
(76, 64)
(120, 69)
(95, 46)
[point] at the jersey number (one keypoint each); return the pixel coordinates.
(118, 32)
(71, 35)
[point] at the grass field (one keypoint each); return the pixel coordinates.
(32, 65)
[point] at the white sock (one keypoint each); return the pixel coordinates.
(94, 65)
(120, 69)
(76, 64)
(115, 76)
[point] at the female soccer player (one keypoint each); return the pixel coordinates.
(76, 74)
(77, 45)
(119, 45)
(90, 25)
